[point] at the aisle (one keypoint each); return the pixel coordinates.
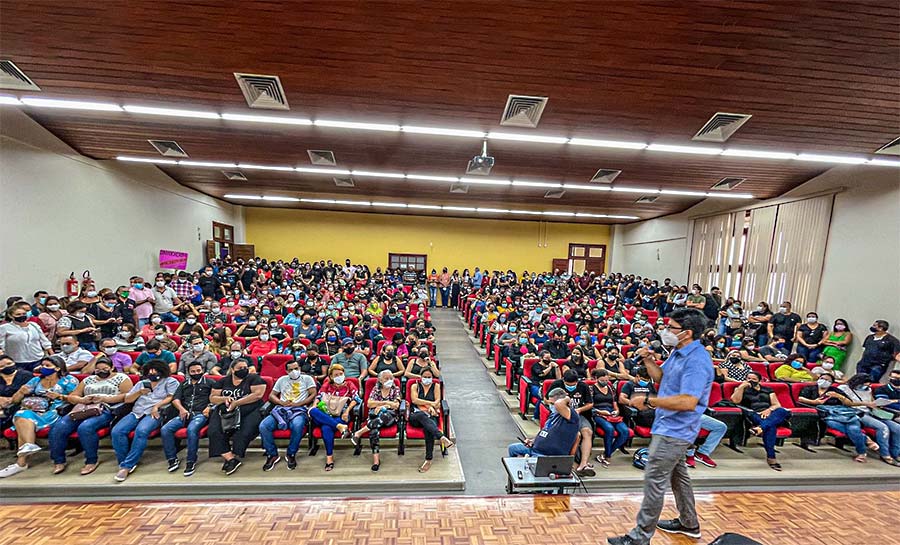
(480, 419)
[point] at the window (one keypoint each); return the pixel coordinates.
(223, 238)
(402, 261)
(585, 258)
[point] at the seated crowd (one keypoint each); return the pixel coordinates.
(583, 341)
(238, 350)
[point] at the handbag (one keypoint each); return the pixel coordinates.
(333, 405)
(839, 413)
(231, 420)
(613, 418)
(38, 404)
(83, 411)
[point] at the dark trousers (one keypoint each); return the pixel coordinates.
(236, 442)
(769, 427)
(873, 370)
(421, 419)
(383, 419)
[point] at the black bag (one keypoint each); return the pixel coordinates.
(231, 420)
(64, 409)
(734, 539)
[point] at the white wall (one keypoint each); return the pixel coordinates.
(654, 248)
(64, 212)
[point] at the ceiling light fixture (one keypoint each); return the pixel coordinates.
(884, 162)
(265, 167)
(492, 210)
(484, 181)
(606, 143)
(587, 187)
(205, 164)
(354, 203)
(701, 150)
(843, 159)
(396, 175)
(328, 171)
(171, 112)
(439, 131)
(516, 137)
(451, 179)
(685, 193)
(389, 204)
(147, 160)
(71, 104)
(354, 125)
(278, 198)
(424, 206)
(633, 190)
(319, 201)
(246, 197)
(8, 100)
(757, 154)
(526, 212)
(556, 213)
(525, 183)
(274, 119)
(459, 208)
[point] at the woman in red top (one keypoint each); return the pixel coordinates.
(262, 345)
(336, 386)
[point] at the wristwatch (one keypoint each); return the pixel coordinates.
(647, 401)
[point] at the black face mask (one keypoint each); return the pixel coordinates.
(348, 350)
(8, 370)
(20, 319)
(102, 374)
(196, 376)
(242, 373)
(894, 381)
(754, 384)
(152, 377)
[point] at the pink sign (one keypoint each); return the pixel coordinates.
(170, 259)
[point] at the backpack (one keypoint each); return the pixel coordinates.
(639, 459)
(711, 309)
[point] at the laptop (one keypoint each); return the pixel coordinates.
(557, 465)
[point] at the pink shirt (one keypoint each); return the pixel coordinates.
(138, 296)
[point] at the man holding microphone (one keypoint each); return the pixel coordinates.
(684, 382)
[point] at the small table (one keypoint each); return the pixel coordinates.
(529, 484)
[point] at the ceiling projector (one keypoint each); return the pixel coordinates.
(481, 165)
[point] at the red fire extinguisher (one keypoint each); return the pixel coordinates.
(86, 280)
(72, 285)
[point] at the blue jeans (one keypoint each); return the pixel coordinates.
(716, 431)
(268, 426)
(432, 296)
(90, 346)
(534, 390)
(87, 436)
(873, 370)
(142, 428)
(853, 430)
(194, 425)
(887, 436)
(168, 317)
(445, 297)
(611, 443)
(329, 426)
(770, 427)
(809, 354)
(720, 326)
(520, 449)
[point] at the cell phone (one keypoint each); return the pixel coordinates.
(147, 384)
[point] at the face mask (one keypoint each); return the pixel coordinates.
(20, 319)
(643, 383)
(197, 347)
(138, 286)
(571, 388)
(102, 374)
(695, 292)
(523, 340)
(823, 383)
(294, 374)
(80, 315)
(322, 314)
(331, 338)
(348, 350)
(266, 312)
(235, 354)
(339, 379)
(782, 310)
(827, 365)
(893, 381)
(720, 345)
(208, 273)
(754, 384)
(159, 337)
(191, 321)
(110, 350)
(779, 345)
(152, 377)
(47, 371)
(797, 364)
(242, 373)
(840, 327)
(53, 308)
(156, 320)
(426, 381)
(751, 347)
(91, 293)
(264, 337)
(11, 370)
(811, 319)
(216, 310)
(252, 323)
(668, 338)
(873, 329)
(67, 348)
(196, 376)
(512, 329)
(759, 308)
(160, 283)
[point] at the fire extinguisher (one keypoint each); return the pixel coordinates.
(86, 280)
(72, 285)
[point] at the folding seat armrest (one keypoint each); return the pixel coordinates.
(445, 407)
(527, 380)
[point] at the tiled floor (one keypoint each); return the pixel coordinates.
(771, 518)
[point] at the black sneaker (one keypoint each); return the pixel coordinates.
(270, 463)
(225, 466)
(621, 540)
(291, 461)
(189, 468)
(674, 526)
(174, 464)
(233, 465)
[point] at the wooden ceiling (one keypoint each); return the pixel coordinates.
(817, 76)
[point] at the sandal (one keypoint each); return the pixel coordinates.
(89, 468)
(773, 464)
(376, 467)
(602, 460)
(329, 466)
(425, 466)
(861, 458)
(872, 445)
(888, 460)
(59, 468)
(355, 440)
(449, 443)
(755, 432)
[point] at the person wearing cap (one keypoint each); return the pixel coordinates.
(559, 433)
(353, 362)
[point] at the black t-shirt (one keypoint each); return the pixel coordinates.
(880, 351)
(314, 368)
(209, 285)
(539, 374)
(581, 395)
(632, 389)
(757, 400)
(812, 392)
(247, 278)
(603, 401)
(241, 390)
(783, 324)
(810, 335)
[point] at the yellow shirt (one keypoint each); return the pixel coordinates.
(786, 371)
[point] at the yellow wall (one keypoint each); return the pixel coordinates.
(455, 243)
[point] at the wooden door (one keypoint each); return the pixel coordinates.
(561, 265)
(243, 251)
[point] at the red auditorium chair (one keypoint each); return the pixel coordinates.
(762, 369)
(397, 430)
(840, 438)
(732, 416)
(389, 332)
(414, 433)
(273, 365)
(525, 399)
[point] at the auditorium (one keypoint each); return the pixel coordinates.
(408, 273)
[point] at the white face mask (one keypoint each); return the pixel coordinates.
(123, 334)
(668, 338)
(235, 354)
(161, 284)
(426, 381)
(264, 337)
(294, 374)
(53, 308)
(197, 347)
(252, 323)
(159, 337)
(80, 315)
(110, 350)
(91, 293)
(811, 319)
(388, 383)
(156, 320)
(339, 379)
(823, 383)
(827, 365)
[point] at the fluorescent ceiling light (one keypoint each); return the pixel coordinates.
(844, 159)
(492, 210)
(685, 193)
(319, 201)
(6, 99)
(634, 190)
(265, 167)
(442, 132)
(389, 204)
(206, 164)
(170, 112)
(354, 203)
(759, 154)
(554, 213)
(518, 137)
(723, 195)
(884, 162)
(377, 174)
(606, 143)
(71, 104)
(484, 181)
(526, 183)
(147, 160)
(530, 212)
(624, 217)
(247, 197)
(452, 179)
(424, 206)
(702, 150)
(354, 125)
(459, 208)
(588, 187)
(277, 120)
(329, 171)
(586, 215)
(277, 198)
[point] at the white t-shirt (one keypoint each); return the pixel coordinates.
(165, 299)
(294, 390)
(23, 344)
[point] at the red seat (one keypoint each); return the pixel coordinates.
(412, 432)
(525, 398)
(389, 332)
(316, 431)
(390, 431)
(761, 368)
(182, 433)
(273, 365)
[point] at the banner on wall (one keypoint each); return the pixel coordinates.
(170, 259)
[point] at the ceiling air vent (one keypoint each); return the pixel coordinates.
(13, 78)
(459, 188)
(523, 111)
(169, 148)
(321, 157)
(344, 181)
(235, 175)
(729, 183)
(647, 199)
(721, 126)
(605, 175)
(554, 194)
(263, 92)
(891, 148)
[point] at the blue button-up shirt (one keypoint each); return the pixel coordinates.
(688, 371)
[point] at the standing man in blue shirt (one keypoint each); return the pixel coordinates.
(478, 279)
(684, 383)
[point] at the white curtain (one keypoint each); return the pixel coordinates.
(755, 276)
(714, 247)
